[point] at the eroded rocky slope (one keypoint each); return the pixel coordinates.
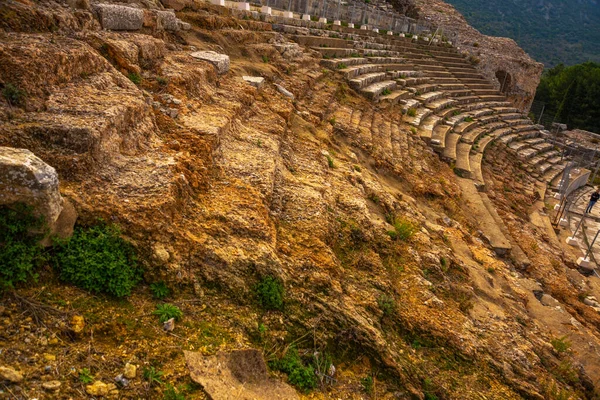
(218, 184)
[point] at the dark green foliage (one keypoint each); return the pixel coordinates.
(162, 81)
(561, 344)
(97, 259)
(572, 95)
(20, 251)
(387, 304)
(160, 290)
(171, 393)
(265, 59)
(330, 162)
(14, 95)
(269, 293)
(553, 31)
(299, 375)
(135, 78)
(153, 376)
(167, 311)
(412, 112)
(367, 384)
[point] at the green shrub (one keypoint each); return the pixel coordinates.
(13, 95)
(386, 91)
(387, 304)
(403, 229)
(412, 112)
(330, 162)
(561, 344)
(85, 376)
(341, 66)
(20, 251)
(97, 259)
(269, 293)
(135, 78)
(160, 290)
(162, 81)
(171, 393)
(367, 384)
(469, 119)
(265, 59)
(299, 375)
(167, 311)
(153, 376)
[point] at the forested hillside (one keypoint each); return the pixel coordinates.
(572, 94)
(552, 31)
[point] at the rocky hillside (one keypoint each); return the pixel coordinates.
(291, 215)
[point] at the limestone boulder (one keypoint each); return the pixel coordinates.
(119, 18)
(240, 375)
(220, 61)
(24, 178)
(167, 20)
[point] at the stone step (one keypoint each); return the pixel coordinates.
(357, 70)
(320, 41)
(438, 137)
(450, 146)
(352, 61)
(421, 114)
(483, 92)
(466, 100)
(440, 104)
(375, 90)
(492, 97)
(395, 97)
(522, 128)
(463, 167)
(422, 89)
(366, 80)
(476, 86)
(467, 75)
(452, 86)
(413, 81)
(475, 160)
(543, 157)
(430, 96)
(465, 126)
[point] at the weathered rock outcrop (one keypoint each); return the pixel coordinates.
(24, 178)
(500, 60)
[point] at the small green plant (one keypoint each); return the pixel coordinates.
(171, 393)
(412, 112)
(160, 290)
(413, 130)
(332, 121)
(135, 78)
(97, 259)
(162, 81)
(14, 95)
(491, 270)
(469, 119)
(341, 66)
(367, 384)
(475, 44)
(357, 168)
(259, 143)
(330, 161)
(403, 229)
(265, 59)
(270, 293)
(20, 251)
(299, 375)
(387, 304)
(443, 262)
(153, 376)
(166, 311)
(85, 376)
(386, 91)
(561, 344)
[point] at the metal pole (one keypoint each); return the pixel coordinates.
(591, 245)
(578, 225)
(542, 113)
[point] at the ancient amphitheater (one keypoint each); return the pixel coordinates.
(377, 162)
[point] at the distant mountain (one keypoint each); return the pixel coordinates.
(551, 31)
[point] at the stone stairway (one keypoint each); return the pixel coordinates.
(452, 107)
